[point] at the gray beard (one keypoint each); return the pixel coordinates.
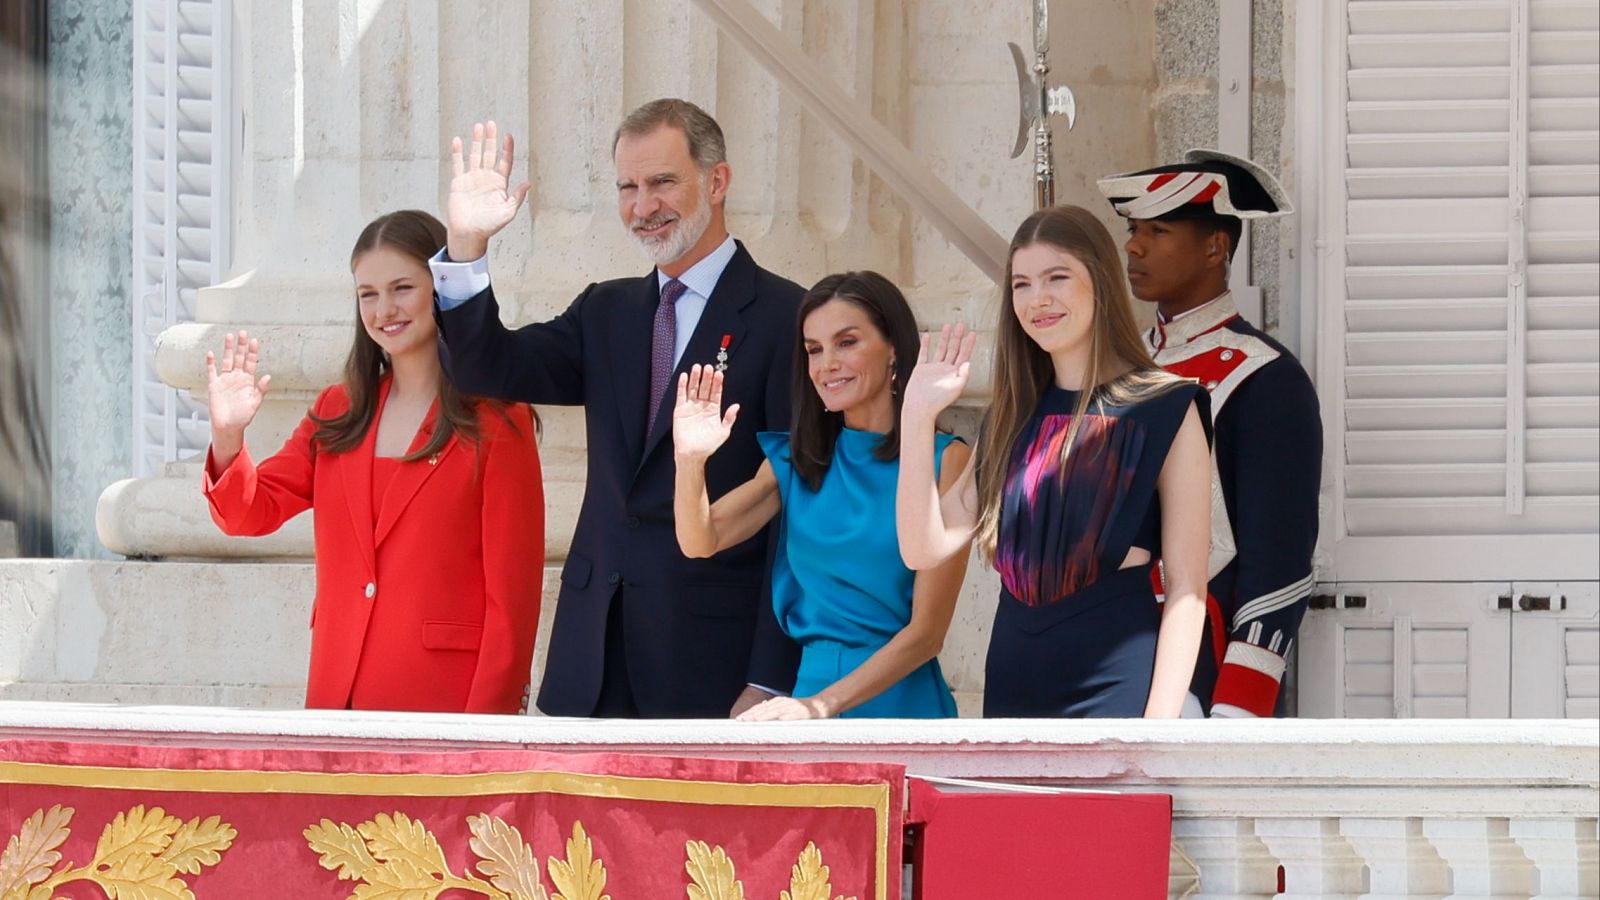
(687, 233)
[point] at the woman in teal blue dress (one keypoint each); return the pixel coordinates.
(869, 629)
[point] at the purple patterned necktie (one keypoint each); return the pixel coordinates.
(662, 343)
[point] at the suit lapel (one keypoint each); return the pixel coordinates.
(735, 290)
(409, 477)
(630, 360)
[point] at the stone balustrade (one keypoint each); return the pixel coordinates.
(1351, 808)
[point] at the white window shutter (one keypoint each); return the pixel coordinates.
(1467, 419)
(1407, 650)
(1555, 650)
(181, 170)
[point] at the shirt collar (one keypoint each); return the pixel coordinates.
(1190, 324)
(702, 277)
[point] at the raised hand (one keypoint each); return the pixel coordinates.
(234, 392)
(481, 200)
(941, 372)
(699, 426)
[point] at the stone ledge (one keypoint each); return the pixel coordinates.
(299, 357)
(1437, 768)
(168, 518)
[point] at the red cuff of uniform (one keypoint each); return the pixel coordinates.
(1248, 683)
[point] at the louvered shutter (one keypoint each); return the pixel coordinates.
(1555, 652)
(1467, 419)
(181, 155)
(1407, 650)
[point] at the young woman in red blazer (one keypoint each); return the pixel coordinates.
(429, 510)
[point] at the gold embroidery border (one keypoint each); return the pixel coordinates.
(874, 797)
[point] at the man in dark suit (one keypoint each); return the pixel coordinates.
(640, 630)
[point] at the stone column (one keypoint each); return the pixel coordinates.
(1399, 859)
(1231, 862)
(1563, 852)
(1483, 860)
(1317, 862)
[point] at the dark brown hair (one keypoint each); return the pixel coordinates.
(814, 429)
(419, 236)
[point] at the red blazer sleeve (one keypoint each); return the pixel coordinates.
(251, 500)
(513, 561)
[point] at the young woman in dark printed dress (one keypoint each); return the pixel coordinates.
(1092, 463)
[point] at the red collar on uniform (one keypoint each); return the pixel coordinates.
(1192, 324)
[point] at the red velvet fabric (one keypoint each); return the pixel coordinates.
(1061, 846)
(762, 815)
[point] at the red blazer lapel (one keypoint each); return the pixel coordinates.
(355, 474)
(410, 477)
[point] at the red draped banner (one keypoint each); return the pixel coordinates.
(82, 820)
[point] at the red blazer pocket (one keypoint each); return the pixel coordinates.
(451, 636)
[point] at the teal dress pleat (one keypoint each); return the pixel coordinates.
(839, 587)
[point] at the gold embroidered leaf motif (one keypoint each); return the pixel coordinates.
(398, 879)
(140, 876)
(808, 880)
(198, 844)
(711, 872)
(398, 838)
(31, 853)
(42, 892)
(341, 848)
(580, 876)
(505, 860)
(136, 832)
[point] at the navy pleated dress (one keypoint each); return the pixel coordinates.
(1074, 635)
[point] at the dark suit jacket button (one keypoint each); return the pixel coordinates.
(614, 577)
(633, 521)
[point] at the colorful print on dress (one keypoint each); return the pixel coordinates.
(1055, 520)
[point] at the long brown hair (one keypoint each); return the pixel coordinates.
(419, 236)
(1120, 368)
(813, 429)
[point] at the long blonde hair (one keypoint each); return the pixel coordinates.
(1120, 368)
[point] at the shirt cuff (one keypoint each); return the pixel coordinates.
(454, 283)
(762, 687)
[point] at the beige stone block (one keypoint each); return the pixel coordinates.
(299, 357)
(27, 619)
(170, 518)
(1109, 44)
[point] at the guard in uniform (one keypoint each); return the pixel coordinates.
(1184, 223)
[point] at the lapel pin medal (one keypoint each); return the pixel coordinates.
(722, 353)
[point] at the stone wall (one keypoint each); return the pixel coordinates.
(1185, 113)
